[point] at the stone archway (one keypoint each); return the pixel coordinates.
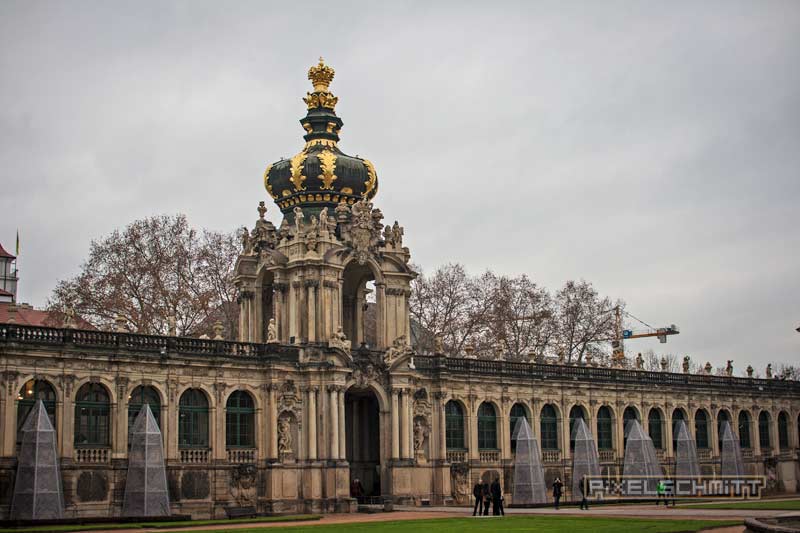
(363, 443)
(362, 315)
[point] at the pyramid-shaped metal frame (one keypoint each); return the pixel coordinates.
(731, 463)
(38, 493)
(641, 460)
(585, 459)
(686, 463)
(146, 485)
(529, 485)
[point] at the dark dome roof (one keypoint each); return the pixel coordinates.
(321, 175)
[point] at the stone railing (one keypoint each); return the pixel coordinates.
(433, 365)
(162, 346)
(551, 456)
(607, 456)
(195, 455)
(660, 454)
(747, 454)
(704, 454)
(457, 456)
(242, 455)
(92, 455)
(786, 453)
(489, 456)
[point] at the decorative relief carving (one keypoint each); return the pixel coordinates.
(327, 162)
(243, 485)
(296, 169)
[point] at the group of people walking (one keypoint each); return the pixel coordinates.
(488, 494)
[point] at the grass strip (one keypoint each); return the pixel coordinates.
(66, 528)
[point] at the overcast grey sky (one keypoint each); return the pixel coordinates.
(652, 148)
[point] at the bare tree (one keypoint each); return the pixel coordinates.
(156, 268)
(584, 321)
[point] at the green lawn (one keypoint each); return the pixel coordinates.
(540, 524)
(767, 505)
(66, 528)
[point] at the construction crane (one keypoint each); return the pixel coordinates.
(617, 344)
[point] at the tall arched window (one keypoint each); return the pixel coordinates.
(193, 419)
(701, 429)
(678, 416)
(240, 420)
(722, 417)
(604, 429)
(487, 427)
(629, 415)
(574, 414)
(764, 439)
(141, 396)
(518, 411)
(454, 425)
(92, 416)
(31, 392)
(783, 430)
(744, 430)
(549, 427)
(654, 429)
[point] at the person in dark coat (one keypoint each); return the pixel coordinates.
(477, 492)
(497, 495)
(583, 489)
(487, 498)
(557, 489)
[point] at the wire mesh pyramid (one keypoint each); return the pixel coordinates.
(640, 457)
(686, 464)
(146, 485)
(38, 494)
(730, 453)
(529, 485)
(585, 459)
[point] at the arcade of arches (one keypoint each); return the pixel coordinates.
(314, 407)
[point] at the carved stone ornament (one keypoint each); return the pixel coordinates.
(398, 349)
(290, 401)
(363, 374)
(243, 485)
(420, 432)
(339, 340)
(284, 435)
(422, 405)
(272, 331)
(361, 230)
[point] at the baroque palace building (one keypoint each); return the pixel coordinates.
(288, 417)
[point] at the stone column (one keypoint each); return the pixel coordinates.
(773, 431)
(312, 310)
(333, 416)
(291, 311)
(714, 434)
(272, 421)
(342, 435)
(311, 425)
(755, 437)
(442, 436)
(670, 452)
(505, 435)
(619, 431)
(382, 325)
(395, 424)
(472, 429)
(404, 433)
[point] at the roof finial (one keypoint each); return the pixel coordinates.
(321, 76)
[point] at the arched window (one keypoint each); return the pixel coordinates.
(654, 422)
(240, 419)
(574, 414)
(92, 416)
(678, 416)
(31, 392)
(141, 396)
(487, 427)
(744, 430)
(454, 425)
(629, 415)
(193, 419)
(604, 429)
(549, 427)
(783, 430)
(764, 439)
(701, 429)
(722, 417)
(518, 411)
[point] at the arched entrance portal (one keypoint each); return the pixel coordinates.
(360, 306)
(362, 429)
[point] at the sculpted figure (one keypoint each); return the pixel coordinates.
(664, 364)
(339, 340)
(247, 244)
(397, 234)
(173, 325)
(284, 436)
(272, 331)
(298, 219)
(69, 317)
(323, 220)
(420, 431)
(398, 348)
(342, 212)
(749, 371)
(438, 346)
(729, 368)
(686, 364)
(587, 359)
(708, 368)
(769, 371)
(639, 361)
